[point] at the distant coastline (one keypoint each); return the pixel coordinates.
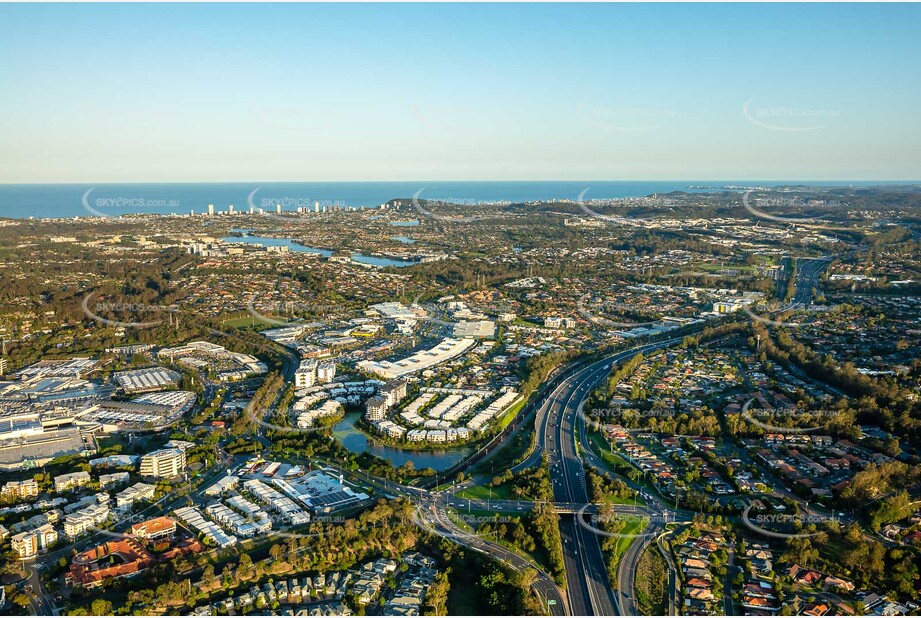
(22, 201)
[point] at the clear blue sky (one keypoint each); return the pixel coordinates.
(122, 93)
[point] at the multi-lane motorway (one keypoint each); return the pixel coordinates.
(807, 278)
(558, 422)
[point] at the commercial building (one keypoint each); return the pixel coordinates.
(145, 380)
(483, 329)
(36, 450)
(730, 306)
(190, 353)
(73, 368)
(150, 411)
(421, 360)
(154, 529)
(394, 311)
(165, 463)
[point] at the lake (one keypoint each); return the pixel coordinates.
(356, 441)
(292, 245)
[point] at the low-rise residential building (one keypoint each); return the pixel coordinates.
(225, 483)
(114, 479)
(139, 491)
(20, 489)
(70, 481)
(30, 543)
(85, 519)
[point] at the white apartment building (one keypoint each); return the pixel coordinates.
(394, 391)
(326, 372)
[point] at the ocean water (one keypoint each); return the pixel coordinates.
(83, 200)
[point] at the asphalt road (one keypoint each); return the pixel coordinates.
(557, 421)
(808, 271)
(433, 511)
(435, 518)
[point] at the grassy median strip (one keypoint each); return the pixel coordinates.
(650, 583)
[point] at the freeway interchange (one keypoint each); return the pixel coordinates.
(561, 440)
(561, 437)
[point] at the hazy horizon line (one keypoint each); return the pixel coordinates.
(250, 182)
